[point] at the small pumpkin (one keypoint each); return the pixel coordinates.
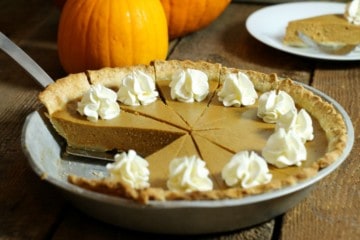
(107, 33)
(187, 16)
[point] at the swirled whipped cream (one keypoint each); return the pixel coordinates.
(189, 85)
(130, 169)
(300, 122)
(137, 88)
(352, 12)
(284, 148)
(272, 105)
(246, 170)
(188, 174)
(237, 90)
(99, 101)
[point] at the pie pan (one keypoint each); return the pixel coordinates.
(44, 150)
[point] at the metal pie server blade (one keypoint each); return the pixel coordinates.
(77, 152)
(335, 49)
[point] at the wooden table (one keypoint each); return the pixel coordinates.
(32, 209)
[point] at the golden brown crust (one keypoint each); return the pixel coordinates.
(112, 77)
(262, 82)
(66, 89)
(165, 69)
(329, 119)
(143, 196)
(332, 124)
(105, 186)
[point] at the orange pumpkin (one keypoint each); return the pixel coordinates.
(107, 33)
(187, 16)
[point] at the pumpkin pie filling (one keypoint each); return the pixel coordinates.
(215, 134)
(127, 131)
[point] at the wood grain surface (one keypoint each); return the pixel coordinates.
(32, 209)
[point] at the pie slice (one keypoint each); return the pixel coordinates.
(236, 140)
(217, 116)
(235, 117)
(189, 112)
(127, 131)
(182, 147)
(216, 158)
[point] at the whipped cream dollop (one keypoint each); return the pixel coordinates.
(189, 85)
(99, 101)
(137, 88)
(300, 122)
(188, 174)
(246, 170)
(130, 169)
(284, 148)
(272, 105)
(352, 12)
(237, 90)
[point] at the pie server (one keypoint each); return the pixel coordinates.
(341, 49)
(43, 79)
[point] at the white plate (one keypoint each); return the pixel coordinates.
(43, 147)
(268, 26)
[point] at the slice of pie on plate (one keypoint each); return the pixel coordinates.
(331, 29)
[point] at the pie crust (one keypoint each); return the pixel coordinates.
(214, 132)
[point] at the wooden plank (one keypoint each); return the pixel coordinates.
(21, 17)
(41, 45)
(332, 211)
(29, 208)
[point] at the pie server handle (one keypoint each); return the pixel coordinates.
(25, 61)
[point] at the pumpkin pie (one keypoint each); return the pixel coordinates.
(331, 29)
(167, 130)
